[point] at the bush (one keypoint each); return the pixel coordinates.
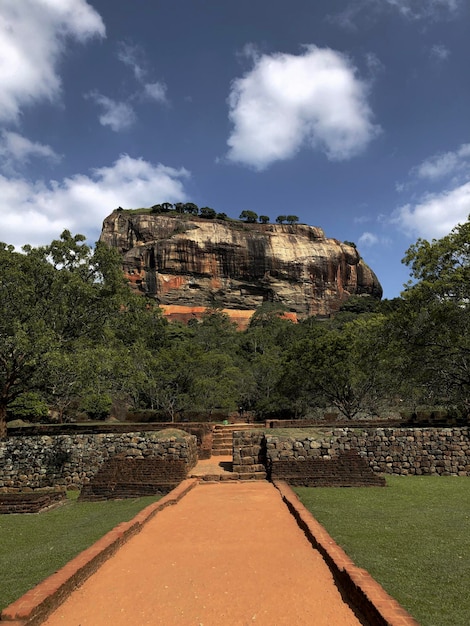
(29, 406)
(97, 406)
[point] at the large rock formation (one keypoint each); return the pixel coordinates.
(191, 262)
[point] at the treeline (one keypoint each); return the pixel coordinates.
(189, 208)
(74, 339)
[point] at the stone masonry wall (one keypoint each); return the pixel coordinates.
(73, 460)
(249, 451)
(400, 451)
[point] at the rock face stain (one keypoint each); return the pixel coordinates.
(194, 262)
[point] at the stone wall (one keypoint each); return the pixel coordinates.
(399, 451)
(73, 460)
(249, 451)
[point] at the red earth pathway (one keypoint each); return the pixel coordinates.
(227, 554)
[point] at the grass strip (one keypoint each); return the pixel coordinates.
(413, 537)
(35, 546)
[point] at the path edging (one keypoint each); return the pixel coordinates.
(364, 593)
(37, 603)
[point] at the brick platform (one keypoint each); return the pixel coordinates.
(29, 502)
(132, 478)
(348, 469)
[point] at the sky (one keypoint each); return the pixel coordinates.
(353, 115)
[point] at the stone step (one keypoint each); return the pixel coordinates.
(232, 428)
(256, 467)
(222, 452)
(252, 475)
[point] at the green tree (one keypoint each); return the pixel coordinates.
(280, 219)
(217, 383)
(342, 368)
(49, 297)
(191, 208)
(264, 219)
(207, 213)
(433, 322)
(215, 331)
(292, 219)
(29, 406)
(249, 216)
(440, 269)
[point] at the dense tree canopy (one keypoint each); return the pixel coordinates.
(75, 339)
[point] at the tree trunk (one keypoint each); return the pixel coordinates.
(3, 422)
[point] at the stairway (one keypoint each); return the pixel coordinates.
(222, 445)
(222, 441)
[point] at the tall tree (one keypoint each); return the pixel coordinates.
(49, 297)
(434, 324)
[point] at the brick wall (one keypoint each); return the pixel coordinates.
(348, 469)
(132, 478)
(29, 502)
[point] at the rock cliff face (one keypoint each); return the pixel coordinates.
(193, 262)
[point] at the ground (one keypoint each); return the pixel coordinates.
(227, 553)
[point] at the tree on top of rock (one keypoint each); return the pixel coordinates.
(280, 219)
(249, 216)
(292, 219)
(207, 213)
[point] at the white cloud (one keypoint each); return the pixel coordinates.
(286, 102)
(439, 52)
(156, 91)
(16, 149)
(431, 9)
(33, 36)
(445, 164)
(436, 214)
(358, 11)
(374, 64)
(249, 51)
(368, 239)
(37, 212)
(433, 215)
(133, 56)
(117, 115)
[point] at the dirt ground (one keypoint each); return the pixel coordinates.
(226, 554)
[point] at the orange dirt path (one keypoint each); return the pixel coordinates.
(227, 554)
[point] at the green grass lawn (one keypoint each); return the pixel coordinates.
(412, 536)
(34, 546)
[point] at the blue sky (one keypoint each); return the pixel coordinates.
(352, 114)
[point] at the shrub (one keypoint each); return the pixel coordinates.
(97, 406)
(29, 406)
